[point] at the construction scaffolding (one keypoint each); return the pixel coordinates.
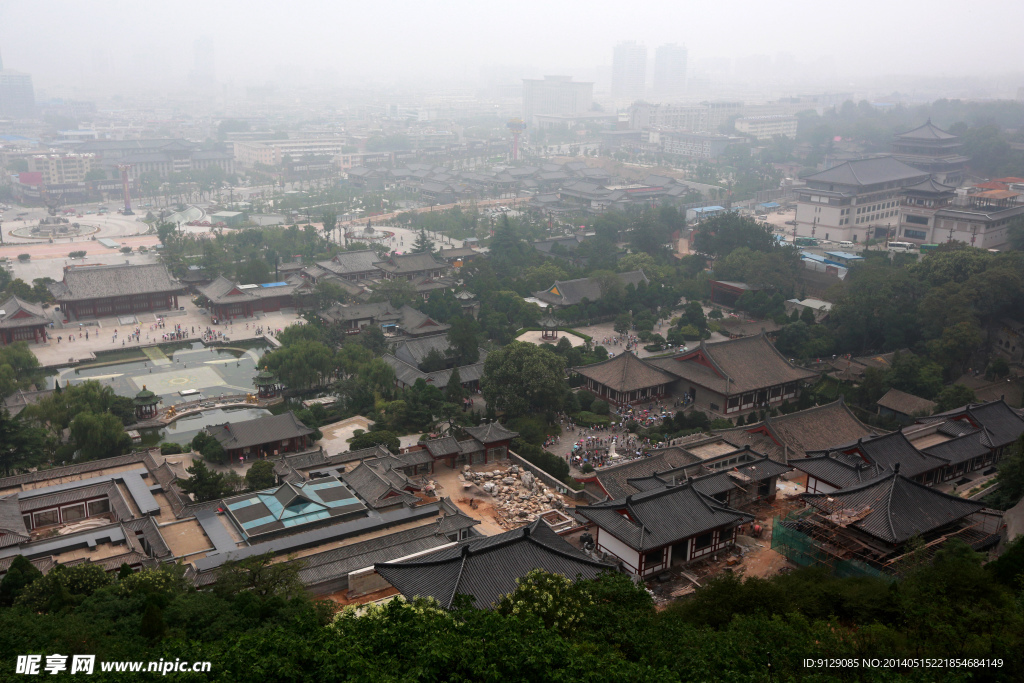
(802, 541)
(816, 537)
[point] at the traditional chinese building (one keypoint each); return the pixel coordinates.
(735, 377)
(264, 436)
(626, 379)
(22, 321)
(228, 299)
(146, 403)
(672, 525)
(104, 291)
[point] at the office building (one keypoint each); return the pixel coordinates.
(160, 156)
(61, 168)
(670, 70)
(273, 152)
(629, 70)
(767, 127)
(17, 97)
(555, 95)
(854, 201)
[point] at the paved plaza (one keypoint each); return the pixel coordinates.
(101, 332)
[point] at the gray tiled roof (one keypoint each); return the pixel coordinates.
(662, 517)
(817, 428)
(488, 567)
(379, 485)
(351, 262)
(960, 449)
(898, 507)
(259, 431)
(926, 131)
(626, 372)
(906, 404)
(572, 292)
(615, 480)
(413, 351)
(17, 313)
(863, 172)
(836, 469)
(491, 432)
(411, 263)
(740, 365)
(12, 525)
(100, 282)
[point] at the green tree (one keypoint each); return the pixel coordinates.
(260, 576)
(19, 575)
(399, 292)
(327, 294)
(463, 336)
(1011, 474)
(522, 379)
(557, 601)
(64, 587)
(953, 396)
(371, 439)
(727, 232)
(423, 244)
(99, 435)
(433, 361)
(22, 445)
(204, 483)
(19, 368)
(303, 364)
(454, 393)
(261, 476)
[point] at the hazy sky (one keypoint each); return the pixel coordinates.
(68, 42)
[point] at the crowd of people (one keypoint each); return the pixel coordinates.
(601, 445)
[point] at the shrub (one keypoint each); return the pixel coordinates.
(168, 448)
(24, 257)
(547, 461)
(586, 399)
(587, 468)
(599, 407)
(689, 332)
(721, 423)
(715, 314)
(588, 419)
(126, 250)
(77, 254)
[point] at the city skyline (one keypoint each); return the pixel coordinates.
(321, 44)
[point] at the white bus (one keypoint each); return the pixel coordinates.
(901, 247)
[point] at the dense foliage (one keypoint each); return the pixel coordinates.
(256, 621)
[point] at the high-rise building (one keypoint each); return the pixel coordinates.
(17, 97)
(629, 69)
(204, 67)
(555, 95)
(670, 70)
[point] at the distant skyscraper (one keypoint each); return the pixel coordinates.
(670, 70)
(629, 70)
(17, 97)
(204, 68)
(555, 95)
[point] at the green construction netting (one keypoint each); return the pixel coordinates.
(801, 549)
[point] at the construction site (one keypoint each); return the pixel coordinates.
(862, 532)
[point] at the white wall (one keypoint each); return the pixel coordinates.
(610, 544)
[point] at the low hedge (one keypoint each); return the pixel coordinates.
(587, 419)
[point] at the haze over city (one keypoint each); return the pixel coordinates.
(704, 358)
(114, 45)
